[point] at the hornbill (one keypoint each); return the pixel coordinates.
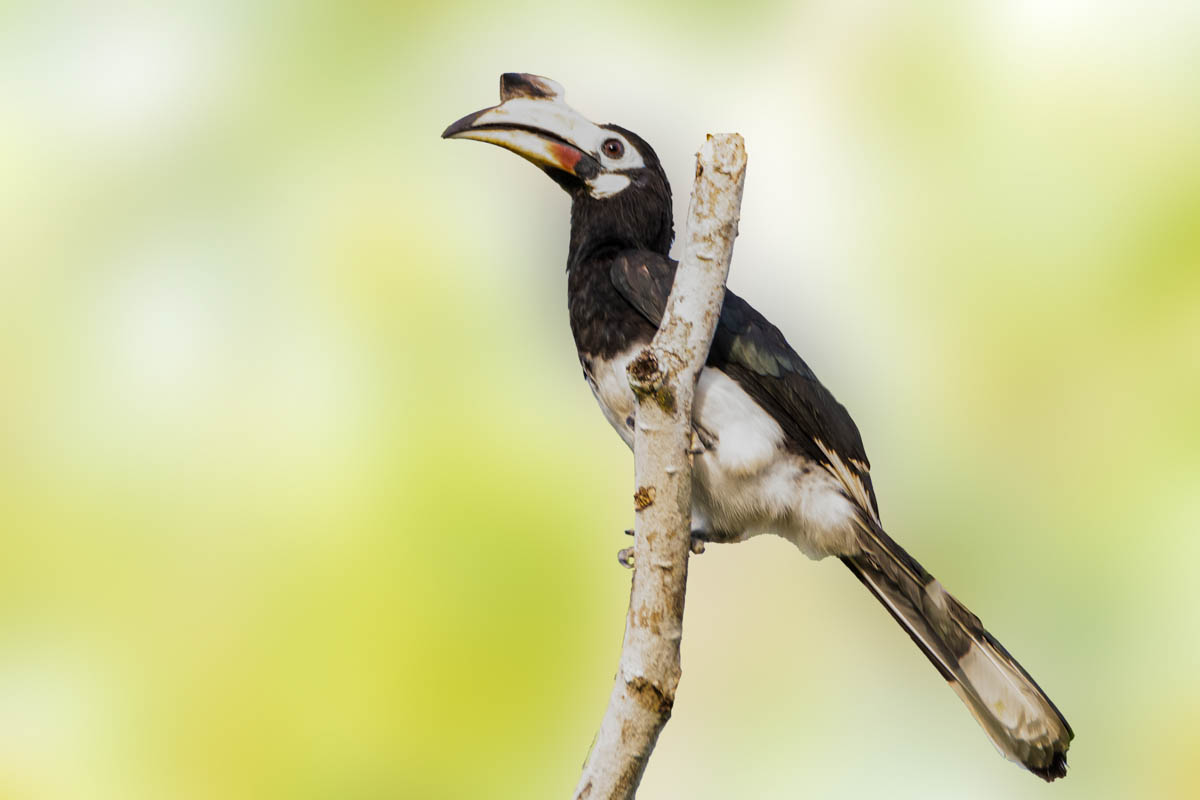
(779, 453)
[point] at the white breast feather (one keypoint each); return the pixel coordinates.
(747, 437)
(746, 481)
(610, 384)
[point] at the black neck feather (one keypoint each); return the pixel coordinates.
(637, 217)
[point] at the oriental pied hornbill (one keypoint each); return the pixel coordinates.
(780, 454)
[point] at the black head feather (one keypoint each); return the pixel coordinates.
(637, 217)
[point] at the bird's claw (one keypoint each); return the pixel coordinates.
(625, 554)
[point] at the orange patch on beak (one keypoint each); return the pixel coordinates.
(566, 155)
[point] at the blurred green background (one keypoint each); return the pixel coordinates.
(302, 496)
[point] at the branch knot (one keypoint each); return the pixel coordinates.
(647, 379)
(643, 498)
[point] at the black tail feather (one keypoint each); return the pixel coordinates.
(1018, 717)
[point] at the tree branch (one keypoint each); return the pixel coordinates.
(663, 377)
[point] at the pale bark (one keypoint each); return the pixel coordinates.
(664, 379)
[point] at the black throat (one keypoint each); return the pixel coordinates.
(636, 218)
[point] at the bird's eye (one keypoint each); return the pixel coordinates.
(613, 148)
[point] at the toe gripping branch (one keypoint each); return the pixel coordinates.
(625, 554)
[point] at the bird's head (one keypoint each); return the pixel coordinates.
(621, 197)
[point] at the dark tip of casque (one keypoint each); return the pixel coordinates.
(520, 84)
(525, 84)
(1056, 769)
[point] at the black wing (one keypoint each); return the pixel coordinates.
(752, 351)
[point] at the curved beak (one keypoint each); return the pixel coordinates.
(534, 122)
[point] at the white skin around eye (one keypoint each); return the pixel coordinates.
(630, 158)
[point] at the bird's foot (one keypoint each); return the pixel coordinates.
(695, 544)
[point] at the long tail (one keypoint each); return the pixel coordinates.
(1015, 713)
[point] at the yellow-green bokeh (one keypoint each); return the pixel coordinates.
(301, 495)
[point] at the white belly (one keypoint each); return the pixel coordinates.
(746, 482)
